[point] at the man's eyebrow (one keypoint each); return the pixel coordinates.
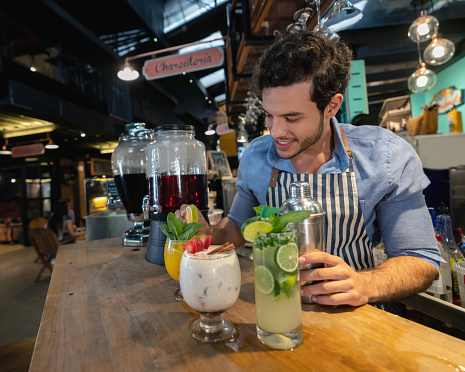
(292, 113)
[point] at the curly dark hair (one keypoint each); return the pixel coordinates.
(301, 57)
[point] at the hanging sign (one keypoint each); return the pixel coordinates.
(447, 99)
(223, 129)
(174, 65)
(27, 150)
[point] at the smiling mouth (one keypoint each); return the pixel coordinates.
(283, 142)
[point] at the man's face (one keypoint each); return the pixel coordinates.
(292, 118)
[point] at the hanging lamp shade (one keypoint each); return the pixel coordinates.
(439, 51)
(128, 73)
(210, 131)
(423, 28)
(421, 80)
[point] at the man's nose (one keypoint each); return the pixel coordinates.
(279, 128)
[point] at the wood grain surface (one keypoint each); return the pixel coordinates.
(108, 309)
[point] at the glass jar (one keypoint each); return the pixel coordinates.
(128, 164)
(176, 169)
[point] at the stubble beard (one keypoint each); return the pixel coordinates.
(310, 140)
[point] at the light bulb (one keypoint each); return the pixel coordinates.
(438, 51)
(421, 81)
(423, 29)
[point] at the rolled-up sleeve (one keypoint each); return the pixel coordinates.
(403, 217)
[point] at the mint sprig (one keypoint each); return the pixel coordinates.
(176, 229)
(280, 222)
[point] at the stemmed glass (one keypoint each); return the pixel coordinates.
(173, 254)
(210, 284)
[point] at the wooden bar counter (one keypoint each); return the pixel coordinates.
(108, 309)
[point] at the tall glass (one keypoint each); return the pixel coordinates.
(173, 254)
(277, 290)
(210, 285)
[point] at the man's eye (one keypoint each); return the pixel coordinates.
(289, 120)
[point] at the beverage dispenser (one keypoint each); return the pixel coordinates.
(177, 174)
(128, 164)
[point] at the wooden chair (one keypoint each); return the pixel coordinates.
(37, 222)
(34, 223)
(46, 244)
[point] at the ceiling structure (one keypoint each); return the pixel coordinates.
(105, 35)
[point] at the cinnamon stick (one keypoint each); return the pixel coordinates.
(222, 248)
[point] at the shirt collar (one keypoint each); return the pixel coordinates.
(337, 164)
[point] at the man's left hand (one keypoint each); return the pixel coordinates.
(338, 283)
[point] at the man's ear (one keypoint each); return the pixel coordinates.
(333, 105)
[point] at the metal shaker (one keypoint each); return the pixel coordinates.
(311, 232)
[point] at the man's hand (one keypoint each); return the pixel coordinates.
(395, 279)
(226, 231)
(338, 282)
(181, 214)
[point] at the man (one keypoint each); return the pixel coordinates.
(368, 180)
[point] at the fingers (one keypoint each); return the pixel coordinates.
(328, 287)
(181, 212)
(322, 257)
(337, 299)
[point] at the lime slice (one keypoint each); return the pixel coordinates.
(288, 283)
(287, 257)
(191, 214)
(263, 279)
(255, 225)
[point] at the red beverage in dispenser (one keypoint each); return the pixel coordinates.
(173, 191)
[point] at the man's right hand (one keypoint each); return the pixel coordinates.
(181, 214)
(226, 231)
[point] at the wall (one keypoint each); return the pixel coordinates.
(450, 76)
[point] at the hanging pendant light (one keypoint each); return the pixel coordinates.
(439, 51)
(421, 80)
(423, 28)
(128, 73)
(210, 131)
(4, 150)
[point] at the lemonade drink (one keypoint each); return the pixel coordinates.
(173, 255)
(277, 290)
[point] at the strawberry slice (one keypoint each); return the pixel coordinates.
(188, 246)
(208, 240)
(193, 246)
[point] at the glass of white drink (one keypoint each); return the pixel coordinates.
(277, 290)
(210, 284)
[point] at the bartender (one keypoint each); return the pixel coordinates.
(369, 179)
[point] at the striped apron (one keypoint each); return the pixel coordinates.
(346, 235)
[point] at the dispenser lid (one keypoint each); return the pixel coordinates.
(174, 127)
(136, 130)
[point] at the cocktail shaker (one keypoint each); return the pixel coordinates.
(311, 232)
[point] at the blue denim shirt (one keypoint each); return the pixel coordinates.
(390, 183)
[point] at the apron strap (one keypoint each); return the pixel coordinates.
(274, 177)
(344, 141)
